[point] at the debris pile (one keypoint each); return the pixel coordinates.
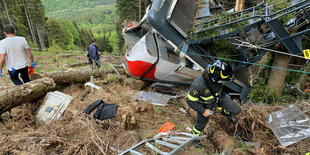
(134, 121)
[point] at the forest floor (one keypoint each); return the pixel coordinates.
(77, 133)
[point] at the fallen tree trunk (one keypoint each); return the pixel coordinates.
(219, 137)
(4, 87)
(68, 77)
(18, 95)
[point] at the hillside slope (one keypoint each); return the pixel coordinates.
(59, 5)
(94, 14)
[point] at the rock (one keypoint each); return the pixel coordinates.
(138, 85)
(143, 106)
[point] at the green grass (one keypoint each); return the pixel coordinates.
(179, 105)
(112, 77)
(71, 61)
(55, 61)
(41, 53)
(243, 146)
(106, 66)
(157, 109)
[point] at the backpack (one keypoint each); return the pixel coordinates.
(104, 111)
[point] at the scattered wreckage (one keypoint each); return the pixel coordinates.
(160, 47)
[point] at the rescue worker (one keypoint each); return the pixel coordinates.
(93, 55)
(205, 96)
(14, 51)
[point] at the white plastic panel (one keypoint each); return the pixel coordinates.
(55, 104)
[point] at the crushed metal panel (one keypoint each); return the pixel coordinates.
(205, 10)
(55, 104)
(182, 15)
(289, 125)
(155, 98)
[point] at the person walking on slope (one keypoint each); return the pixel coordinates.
(205, 95)
(14, 51)
(93, 54)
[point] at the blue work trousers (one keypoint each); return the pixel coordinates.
(24, 74)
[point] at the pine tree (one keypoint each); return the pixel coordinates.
(57, 34)
(128, 10)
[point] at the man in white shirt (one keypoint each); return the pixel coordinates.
(14, 51)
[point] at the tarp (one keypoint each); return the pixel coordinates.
(289, 125)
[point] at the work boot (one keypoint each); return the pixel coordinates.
(197, 144)
(230, 117)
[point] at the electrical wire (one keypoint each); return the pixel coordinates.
(258, 47)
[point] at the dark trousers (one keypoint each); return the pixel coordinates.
(93, 63)
(228, 105)
(23, 72)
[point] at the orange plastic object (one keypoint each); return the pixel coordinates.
(30, 70)
(168, 126)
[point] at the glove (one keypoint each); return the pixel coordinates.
(88, 61)
(33, 64)
(1, 73)
(97, 61)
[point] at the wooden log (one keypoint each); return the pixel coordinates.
(68, 77)
(219, 137)
(18, 95)
(4, 87)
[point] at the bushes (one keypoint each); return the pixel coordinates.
(54, 48)
(262, 93)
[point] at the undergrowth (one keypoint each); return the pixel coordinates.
(262, 93)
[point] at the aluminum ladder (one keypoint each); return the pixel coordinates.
(174, 141)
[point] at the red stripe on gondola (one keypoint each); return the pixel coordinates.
(137, 68)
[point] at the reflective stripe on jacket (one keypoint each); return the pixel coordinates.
(199, 96)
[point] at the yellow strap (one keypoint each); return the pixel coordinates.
(225, 111)
(195, 131)
(209, 98)
(190, 97)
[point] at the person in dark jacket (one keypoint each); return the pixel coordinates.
(205, 96)
(93, 55)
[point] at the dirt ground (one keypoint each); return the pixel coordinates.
(78, 133)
